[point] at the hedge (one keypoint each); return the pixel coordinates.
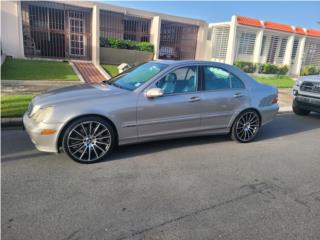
(310, 70)
(126, 44)
(273, 69)
(247, 67)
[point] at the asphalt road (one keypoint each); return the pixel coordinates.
(196, 188)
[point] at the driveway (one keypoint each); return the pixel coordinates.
(196, 188)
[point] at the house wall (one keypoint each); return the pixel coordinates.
(228, 38)
(11, 29)
(12, 42)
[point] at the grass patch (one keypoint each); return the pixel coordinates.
(15, 105)
(277, 81)
(112, 70)
(21, 69)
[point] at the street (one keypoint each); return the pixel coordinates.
(193, 188)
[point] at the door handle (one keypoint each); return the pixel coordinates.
(238, 95)
(194, 99)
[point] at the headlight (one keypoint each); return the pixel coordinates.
(298, 83)
(42, 114)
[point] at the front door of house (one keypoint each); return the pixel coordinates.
(77, 37)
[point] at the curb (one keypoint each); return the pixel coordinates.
(18, 122)
(11, 122)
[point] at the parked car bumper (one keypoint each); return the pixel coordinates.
(307, 103)
(43, 142)
(268, 113)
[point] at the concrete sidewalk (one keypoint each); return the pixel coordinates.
(14, 87)
(285, 97)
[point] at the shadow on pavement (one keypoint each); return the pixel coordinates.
(284, 124)
(289, 123)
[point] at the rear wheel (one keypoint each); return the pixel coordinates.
(89, 139)
(246, 126)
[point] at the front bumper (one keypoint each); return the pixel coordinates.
(307, 103)
(45, 143)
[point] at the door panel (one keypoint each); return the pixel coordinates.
(168, 115)
(219, 106)
(223, 95)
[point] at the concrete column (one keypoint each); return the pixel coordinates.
(11, 29)
(201, 53)
(232, 41)
(299, 56)
(155, 35)
(258, 46)
(288, 54)
(96, 35)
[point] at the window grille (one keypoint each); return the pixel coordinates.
(121, 26)
(56, 30)
(246, 43)
(295, 49)
(177, 40)
(263, 47)
(283, 47)
(312, 52)
(220, 41)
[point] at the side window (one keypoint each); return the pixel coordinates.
(181, 80)
(236, 82)
(217, 79)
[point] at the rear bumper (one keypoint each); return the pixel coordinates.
(307, 103)
(45, 143)
(268, 113)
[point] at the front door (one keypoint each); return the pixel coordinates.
(177, 111)
(223, 95)
(77, 37)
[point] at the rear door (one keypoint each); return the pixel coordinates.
(222, 95)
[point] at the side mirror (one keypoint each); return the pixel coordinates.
(154, 92)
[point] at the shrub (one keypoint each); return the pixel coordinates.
(126, 44)
(310, 70)
(273, 69)
(247, 67)
(283, 70)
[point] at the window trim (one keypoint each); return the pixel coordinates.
(172, 70)
(202, 84)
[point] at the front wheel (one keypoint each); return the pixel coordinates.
(299, 111)
(246, 126)
(88, 139)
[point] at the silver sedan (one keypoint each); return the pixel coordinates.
(153, 101)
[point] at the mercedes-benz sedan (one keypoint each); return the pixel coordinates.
(153, 101)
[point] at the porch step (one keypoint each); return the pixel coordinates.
(89, 72)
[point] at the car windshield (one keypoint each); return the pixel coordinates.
(135, 77)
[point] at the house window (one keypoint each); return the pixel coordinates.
(295, 49)
(312, 52)
(246, 43)
(220, 42)
(283, 47)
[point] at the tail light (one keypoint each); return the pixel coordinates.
(275, 99)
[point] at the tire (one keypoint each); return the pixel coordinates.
(246, 126)
(299, 111)
(88, 139)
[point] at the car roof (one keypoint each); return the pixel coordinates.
(182, 62)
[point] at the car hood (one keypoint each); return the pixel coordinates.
(310, 78)
(76, 93)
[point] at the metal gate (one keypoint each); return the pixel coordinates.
(122, 26)
(55, 30)
(177, 40)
